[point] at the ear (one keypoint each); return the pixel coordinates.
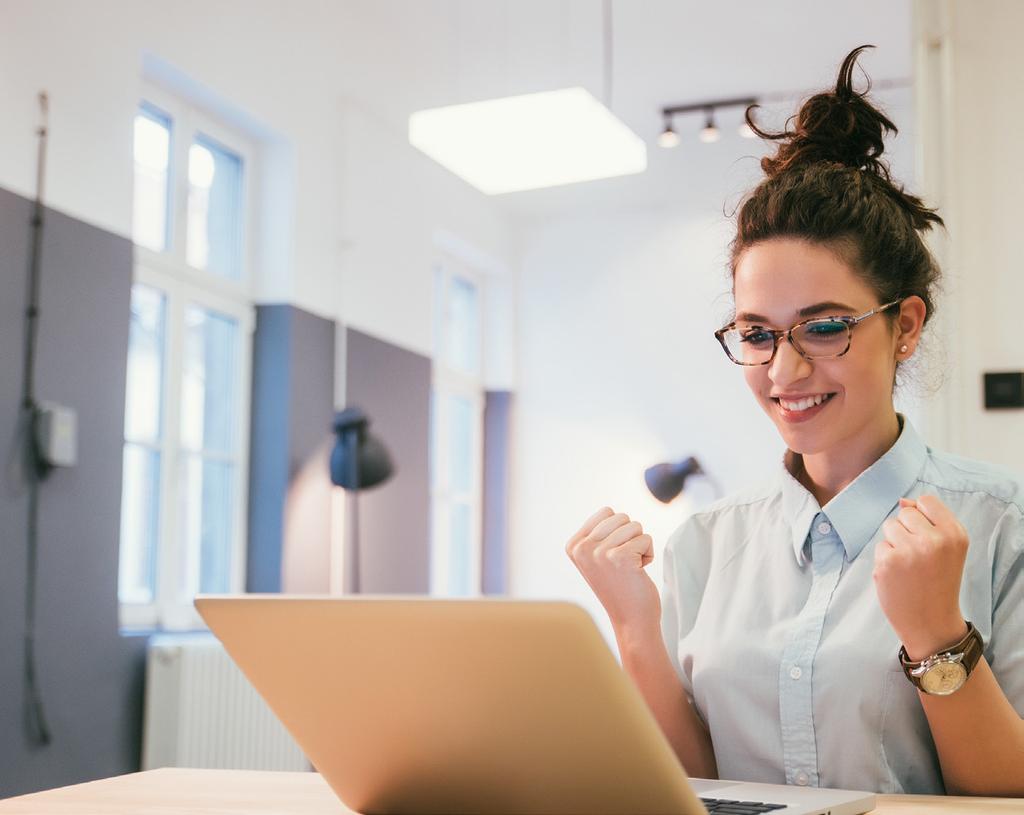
(909, 325)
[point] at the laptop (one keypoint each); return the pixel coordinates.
(414, 706)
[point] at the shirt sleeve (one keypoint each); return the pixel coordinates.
(1006, 649)
(685, 567)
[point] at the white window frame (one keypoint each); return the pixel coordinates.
(183, 285)
(447, 382)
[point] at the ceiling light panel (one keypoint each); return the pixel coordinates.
(529, 142)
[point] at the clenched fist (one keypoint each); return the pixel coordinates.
(918, 568)
(611, 552)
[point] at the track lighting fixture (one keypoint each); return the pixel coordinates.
(669, 137)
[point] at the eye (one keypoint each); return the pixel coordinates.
(825, 328)
(756, 337)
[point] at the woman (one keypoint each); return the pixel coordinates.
(774, 653)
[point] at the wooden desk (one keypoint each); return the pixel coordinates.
(223, 792)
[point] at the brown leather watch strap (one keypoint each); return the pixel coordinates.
(971, 646)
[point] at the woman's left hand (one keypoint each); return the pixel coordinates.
(918, 568)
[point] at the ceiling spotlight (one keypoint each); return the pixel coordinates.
(746, 131)
(668, 137)
(710, 132)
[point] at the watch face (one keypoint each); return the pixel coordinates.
(943, 678)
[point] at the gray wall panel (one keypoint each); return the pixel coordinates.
(90, 676)
(268, 457)
(307, 532)
(393, 386)
(312, 391)
(497, 430)
(289, 484)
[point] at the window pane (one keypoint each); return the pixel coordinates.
(143, 415)
(214, 237)
(463, 346)
(207, 525)
(209, 398)
(460, 444)
(152, 153)
(435, 438)
(460, 581)
(140, 523)
(439, 326)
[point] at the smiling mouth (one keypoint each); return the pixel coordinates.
(803, 404)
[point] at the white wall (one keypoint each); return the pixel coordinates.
(619, 368)
(618, 371)
(350, 209)
(398, 210)
(968, 81)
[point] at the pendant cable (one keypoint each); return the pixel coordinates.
(36, 727)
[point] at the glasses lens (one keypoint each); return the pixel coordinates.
(749, 346)
(823, 338)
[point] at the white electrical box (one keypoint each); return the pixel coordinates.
(57, 435)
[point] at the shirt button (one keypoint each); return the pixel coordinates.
(795, 672)
(824, 527)
(801, 778)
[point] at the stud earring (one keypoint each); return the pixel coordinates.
(903, 349)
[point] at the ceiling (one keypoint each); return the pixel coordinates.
(429, 53)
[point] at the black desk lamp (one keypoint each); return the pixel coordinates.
(358, 461)
(665, 481)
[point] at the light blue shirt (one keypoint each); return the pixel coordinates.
(773, 624)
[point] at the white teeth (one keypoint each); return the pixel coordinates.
(803, 404)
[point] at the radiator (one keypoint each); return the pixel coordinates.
(201, 711)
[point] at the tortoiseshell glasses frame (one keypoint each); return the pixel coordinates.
(828, 337)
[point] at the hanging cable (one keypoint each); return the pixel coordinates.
(608, 54)
(36, 727)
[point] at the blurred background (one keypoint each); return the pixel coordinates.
(247, 229)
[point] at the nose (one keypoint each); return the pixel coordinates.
(788, 366)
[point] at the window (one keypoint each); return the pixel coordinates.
(457, 406)
(189, 357)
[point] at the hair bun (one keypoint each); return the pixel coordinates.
(838, 126)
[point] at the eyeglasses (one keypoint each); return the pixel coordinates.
(818, 338)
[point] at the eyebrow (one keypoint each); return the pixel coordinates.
(807, 311)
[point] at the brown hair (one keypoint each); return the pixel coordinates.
(826, 184)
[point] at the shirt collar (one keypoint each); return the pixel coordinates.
(858, 510)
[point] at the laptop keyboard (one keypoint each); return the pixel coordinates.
(718, 806)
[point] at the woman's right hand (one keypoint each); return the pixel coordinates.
(611, 552)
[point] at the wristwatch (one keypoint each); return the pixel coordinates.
(945, 672)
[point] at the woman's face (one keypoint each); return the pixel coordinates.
(775, 282)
